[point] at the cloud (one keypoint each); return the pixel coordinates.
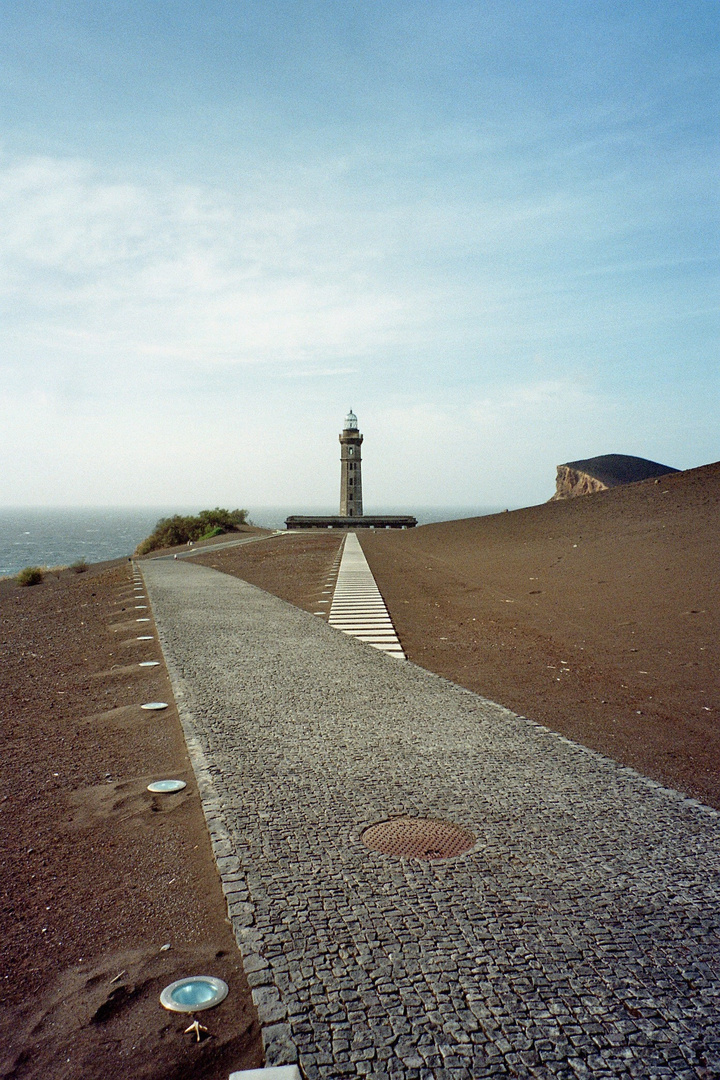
(467, 257)
(174, 272)
(485, 328)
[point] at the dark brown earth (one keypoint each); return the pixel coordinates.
(96, 873)
(599, 616)
(294, 566)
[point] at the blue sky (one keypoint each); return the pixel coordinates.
(489, 227)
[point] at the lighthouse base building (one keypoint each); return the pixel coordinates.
(367, 521)
(351, 514)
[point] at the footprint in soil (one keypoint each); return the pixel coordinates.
(94, 1017)
(120, 800)
(117, 1001)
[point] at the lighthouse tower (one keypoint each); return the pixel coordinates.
(351, 504)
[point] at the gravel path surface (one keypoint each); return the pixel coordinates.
(578, 937)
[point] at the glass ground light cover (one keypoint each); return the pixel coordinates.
(193, 994)
(149, 663)
(163, 786)
(154, 706)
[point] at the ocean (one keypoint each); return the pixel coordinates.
(59, 536)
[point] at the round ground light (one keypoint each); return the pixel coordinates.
(418, 838)
(149, 663)
(165, 786)
(154, 706)
(146, 637)
(193, 994)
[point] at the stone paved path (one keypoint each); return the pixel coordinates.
(578, 938)
(209, 549)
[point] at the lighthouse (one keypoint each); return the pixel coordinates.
(351, 501)
(351, 504)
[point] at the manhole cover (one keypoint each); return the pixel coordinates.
(418, 838)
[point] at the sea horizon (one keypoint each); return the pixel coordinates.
(50, 536)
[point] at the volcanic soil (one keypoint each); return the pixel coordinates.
(109, 893)
(597, 617)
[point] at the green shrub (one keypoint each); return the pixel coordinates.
(217, 531)
(31, 575)
(170, 532)
(79, 566)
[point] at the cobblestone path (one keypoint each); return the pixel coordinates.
(209, 549)
(579, 937)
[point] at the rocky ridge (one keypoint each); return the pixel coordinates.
(587, 476)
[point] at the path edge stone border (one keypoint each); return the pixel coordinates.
(647, 781)
(278, 1047)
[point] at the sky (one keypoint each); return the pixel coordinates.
(490, 227)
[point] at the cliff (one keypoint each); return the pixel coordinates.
(607, 471)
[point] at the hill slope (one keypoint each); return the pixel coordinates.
(598, 617)
(607, 471)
